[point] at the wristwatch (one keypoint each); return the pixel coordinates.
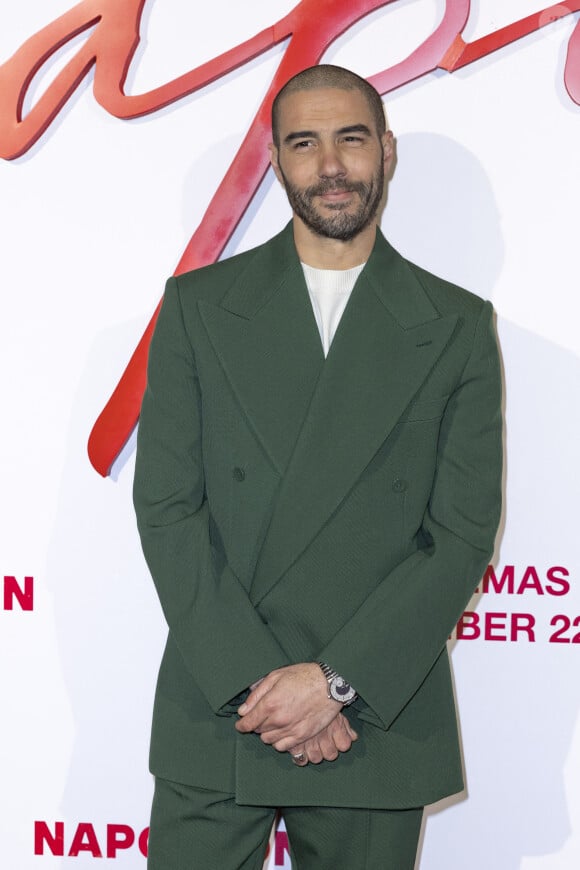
(338, 688)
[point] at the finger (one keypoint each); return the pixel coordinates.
(284, 737)
(280, 741)
(336, 740)
(257, 720)
(298, 755)
(350, 729)
(342, 740)
(259, 691)
(327, 746)
(345, 736)
(244, 725)
(271, 732)
(256, 684)
(300, 759)
(296, 750)
(353, 733)
(313, 751)
(265, 716)
(285, 744)
(341, 736)
(345, 724)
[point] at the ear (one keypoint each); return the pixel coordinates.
(274, 162)
(388, 150)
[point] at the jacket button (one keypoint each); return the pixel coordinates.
(239, 474)
(399, 485)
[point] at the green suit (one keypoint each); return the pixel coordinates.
(293, 508)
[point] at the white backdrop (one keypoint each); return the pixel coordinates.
(93, 218)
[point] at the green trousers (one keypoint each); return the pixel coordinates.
(196, 829)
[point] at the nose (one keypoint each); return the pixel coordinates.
(330, 165)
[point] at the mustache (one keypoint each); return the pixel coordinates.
(332, 185)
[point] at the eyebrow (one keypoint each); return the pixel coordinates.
(311, 134)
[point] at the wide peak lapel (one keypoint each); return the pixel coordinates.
(266, 339)
(377, 362)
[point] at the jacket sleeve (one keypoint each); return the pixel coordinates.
(221, 637)
(387, 648)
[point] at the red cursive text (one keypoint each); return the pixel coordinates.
(310, 28)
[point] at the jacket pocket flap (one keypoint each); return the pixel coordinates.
(424, 410)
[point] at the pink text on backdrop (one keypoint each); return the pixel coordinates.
(50, 839)
(310, 28)
(14, 591)
(84, 841)
(524, 580)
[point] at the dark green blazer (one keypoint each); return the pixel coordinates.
(293, 508)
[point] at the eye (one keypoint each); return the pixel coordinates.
(302, 144)
(351, 139)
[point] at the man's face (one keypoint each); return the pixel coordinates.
(331, 160)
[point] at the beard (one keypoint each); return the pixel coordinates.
(340, 223)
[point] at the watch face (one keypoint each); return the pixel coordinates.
(341, 690)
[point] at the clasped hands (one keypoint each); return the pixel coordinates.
(291, 711)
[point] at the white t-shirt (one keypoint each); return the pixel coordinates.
(329, 291)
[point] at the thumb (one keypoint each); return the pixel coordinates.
(261, 688)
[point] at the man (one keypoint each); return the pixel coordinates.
(317, 490)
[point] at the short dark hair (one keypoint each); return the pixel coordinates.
(326, 75)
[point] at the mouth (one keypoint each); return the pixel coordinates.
(336, 197)
(339, 195)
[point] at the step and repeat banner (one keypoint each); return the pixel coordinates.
(133, 143)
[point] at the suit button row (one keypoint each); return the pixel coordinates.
(399, 485)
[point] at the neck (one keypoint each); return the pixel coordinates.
(323, 253)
